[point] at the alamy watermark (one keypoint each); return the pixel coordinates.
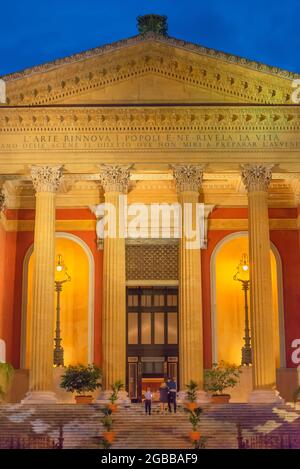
(158, 220)
(2, 92)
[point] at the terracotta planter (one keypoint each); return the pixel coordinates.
(220, 398)
(112, 407)
(194, 436)
(109, 436)
(84, 399)
(191, 406)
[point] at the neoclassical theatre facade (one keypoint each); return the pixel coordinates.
(160, 121)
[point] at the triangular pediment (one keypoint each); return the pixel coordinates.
(150, 70)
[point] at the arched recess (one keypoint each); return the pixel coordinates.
(235, 302)
(26, 286)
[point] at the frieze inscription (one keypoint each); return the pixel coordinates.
(149, 141)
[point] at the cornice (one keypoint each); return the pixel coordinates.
(150, 37)
(150, 118)
(159, 57)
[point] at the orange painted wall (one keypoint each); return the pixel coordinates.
(287, 243)
(2, 270)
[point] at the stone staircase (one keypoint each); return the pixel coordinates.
(82, 426)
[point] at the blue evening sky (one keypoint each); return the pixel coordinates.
(37, 31)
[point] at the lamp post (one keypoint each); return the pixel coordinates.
(242, 275)
(63, 277)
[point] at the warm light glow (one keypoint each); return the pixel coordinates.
(59, 268)
(242, 270)
(74, 302)
(230, 301)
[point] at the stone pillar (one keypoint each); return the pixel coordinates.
(46, 181)
(115, 181)
(257, 179)
(188, 180)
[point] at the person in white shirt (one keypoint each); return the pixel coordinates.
(148, 401)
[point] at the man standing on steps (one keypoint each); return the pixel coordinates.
(172, 392)
(148, 401)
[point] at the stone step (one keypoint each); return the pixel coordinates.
(83, 429)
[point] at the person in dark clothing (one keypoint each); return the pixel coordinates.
(163, 396)
(148, 401)
(172, 392)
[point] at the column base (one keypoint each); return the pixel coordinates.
(123, 399)
(202, 397)
(265, 396)
(40, 397)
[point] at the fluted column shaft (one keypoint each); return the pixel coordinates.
(114, 180)
(188, 180)
(46, 181)
(114, 305)
(256, 179)
(190, 305)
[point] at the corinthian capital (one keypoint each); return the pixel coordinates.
(256, 177)
(46, 178)
(188, 177)
(115, 178)
(2, 200)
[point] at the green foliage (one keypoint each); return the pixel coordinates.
(81, 378)
(152, 23)
(221, 376)
(191, 393)
(107, 420)
(296, 394)
(194, 418)
(6, 376)
(116, 387)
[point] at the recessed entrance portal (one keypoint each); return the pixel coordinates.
(152, 338)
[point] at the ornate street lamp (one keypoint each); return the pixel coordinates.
(62, 277)
(242, 275)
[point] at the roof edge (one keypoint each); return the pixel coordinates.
(123, 43)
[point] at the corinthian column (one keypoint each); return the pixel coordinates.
(188, 180)
(46, 181)
(115, 181)
(257, 179)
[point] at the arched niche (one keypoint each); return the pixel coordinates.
(227, 301)
(77, 301)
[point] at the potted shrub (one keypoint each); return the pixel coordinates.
(191, 395)
(81, 380)
(6, 376)
(116, 388)
(220, 377)
(194, 418)
(107, 422)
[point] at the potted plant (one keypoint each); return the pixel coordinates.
(116, 388)
(220, 377)
(194, 418)
(107, 422)
(191, 395)
(6, 376)
(82, 380)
